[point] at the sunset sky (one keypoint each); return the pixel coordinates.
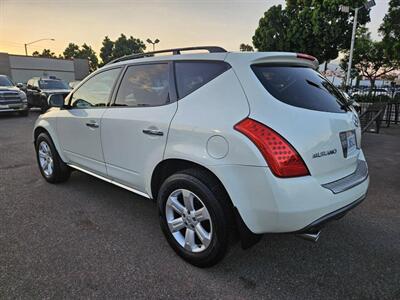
(176, 23)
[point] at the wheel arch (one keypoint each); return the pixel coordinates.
(38, 130)
(170, 166)
(44, 127)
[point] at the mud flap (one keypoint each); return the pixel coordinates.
(248, 239)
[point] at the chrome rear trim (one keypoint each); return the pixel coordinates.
(346, 183)
(110, 181)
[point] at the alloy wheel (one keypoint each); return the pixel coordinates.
(45, 158)
(189, 220)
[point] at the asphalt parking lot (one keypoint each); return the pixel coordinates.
(89, 239)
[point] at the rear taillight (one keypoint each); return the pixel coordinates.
(306, 56)
(282, 158)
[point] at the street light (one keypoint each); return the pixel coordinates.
(156, 41)
(346, 9)
(26, 45)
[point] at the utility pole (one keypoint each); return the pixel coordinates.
(26, 45)
(156, 41)
(346, 9)
(353, 38)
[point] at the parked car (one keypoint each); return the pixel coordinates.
(12, 99)
(73, 84)
(21, 86)
(259, 142)
(396, 96)
(38, 90)
(373, 92)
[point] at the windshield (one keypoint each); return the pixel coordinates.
(4, 81)
(53, 85)
(301, 87)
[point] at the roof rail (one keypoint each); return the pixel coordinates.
(175, 51)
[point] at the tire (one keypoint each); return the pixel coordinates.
(205, 192)
(57, 171)
(24, 113)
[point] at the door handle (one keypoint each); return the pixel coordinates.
(153, 132)
(92, 125)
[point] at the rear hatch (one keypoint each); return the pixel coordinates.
(288, 95)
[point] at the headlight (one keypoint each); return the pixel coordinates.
(22, 96)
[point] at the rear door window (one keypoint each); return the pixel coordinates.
(144, 85)
(191, 75)
(302, 87)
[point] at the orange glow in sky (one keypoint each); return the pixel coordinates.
(177, 23)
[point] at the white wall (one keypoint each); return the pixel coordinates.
(25, 67)
(23, 75)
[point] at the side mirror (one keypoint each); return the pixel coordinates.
(56, 100)
(20, 85)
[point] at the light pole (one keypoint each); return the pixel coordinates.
(346, 9)
(156, 41)
(26, 45)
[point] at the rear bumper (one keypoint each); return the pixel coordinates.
(346, 183)
(268, 204)
(335, 215)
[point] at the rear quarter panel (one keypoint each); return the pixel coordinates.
(308, 131)
(211, 111)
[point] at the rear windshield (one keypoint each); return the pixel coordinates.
(53, 85)
(302, 87)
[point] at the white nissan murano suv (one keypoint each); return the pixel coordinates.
(228, 144)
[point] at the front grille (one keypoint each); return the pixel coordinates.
(9, 98)
(9, 102)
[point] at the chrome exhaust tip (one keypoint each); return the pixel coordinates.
(310, 236)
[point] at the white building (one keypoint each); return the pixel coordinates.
(21, 68)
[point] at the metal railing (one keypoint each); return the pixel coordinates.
(378, 106)
(372, 116)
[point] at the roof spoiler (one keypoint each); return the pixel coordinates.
(290, 58)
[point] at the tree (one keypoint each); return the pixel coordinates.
(271, 34)
(45, 53)
(370, 58)
(71, 51)
(124, 46)
(390, 29)
(107, 50)
(309, 26)
(85, 51)
(245, 47)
